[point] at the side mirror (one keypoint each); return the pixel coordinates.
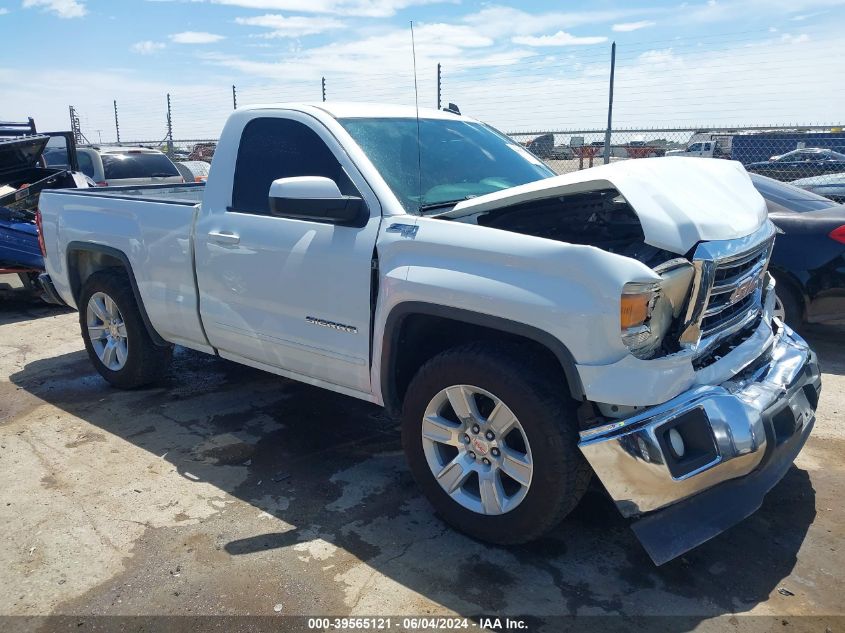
(313, 198)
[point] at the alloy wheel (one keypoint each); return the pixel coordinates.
(477, 449)
(107, 331)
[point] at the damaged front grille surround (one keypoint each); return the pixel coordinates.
(727, 288)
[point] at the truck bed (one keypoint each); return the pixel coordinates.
(150, 226)
(187, 194)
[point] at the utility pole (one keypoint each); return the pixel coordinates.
(324, 89)
(169, 129)
(610, 105)
(234, 98)
(116, 123)
(438, 86)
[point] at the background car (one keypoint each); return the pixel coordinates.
(542, 146)
(117, 166)
(193, 170)
(808, 261)
(830, 186)
(562, 152)
(800, 163)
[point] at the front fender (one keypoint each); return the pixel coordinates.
(568, 292)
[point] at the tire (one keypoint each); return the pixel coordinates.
(141, 361)
(788, 304)
(547, 430)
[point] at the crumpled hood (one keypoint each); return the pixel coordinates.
(680, 201)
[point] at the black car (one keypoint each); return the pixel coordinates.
(800, 163)
(808, 262)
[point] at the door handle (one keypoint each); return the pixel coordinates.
(224, 237)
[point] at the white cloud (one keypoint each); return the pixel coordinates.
(195, 37)
(656, 57)
(561, 38)
(364, 8)
(3, 11)
(388, 53)
(794, 39)
(291, 26)
(147, 47)
(626, 27)
(62, 8)
(500, 21)
(734, 10)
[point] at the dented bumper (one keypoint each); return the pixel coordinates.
(738, 440)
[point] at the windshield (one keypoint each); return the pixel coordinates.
(455, 159)
(140, 165)
(779, 195)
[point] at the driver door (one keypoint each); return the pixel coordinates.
(272, 287)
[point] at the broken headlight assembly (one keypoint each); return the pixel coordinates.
(649, 309)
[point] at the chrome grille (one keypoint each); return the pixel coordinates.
(736, 290)
(728, 287)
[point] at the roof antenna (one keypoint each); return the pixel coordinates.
(417, 105)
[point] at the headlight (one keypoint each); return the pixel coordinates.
(642, 318)
(648, 309)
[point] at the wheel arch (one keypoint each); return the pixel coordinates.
(408, 343)
(84, 259)
(790, 280)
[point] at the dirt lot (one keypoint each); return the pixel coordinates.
(224, 490)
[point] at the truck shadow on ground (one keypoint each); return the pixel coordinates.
(18, 306)
(331, 467)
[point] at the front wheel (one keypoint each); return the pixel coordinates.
(116, 339)
(788, 307)
(492, 442)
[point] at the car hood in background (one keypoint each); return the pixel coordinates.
(828, 179)
(680, 201)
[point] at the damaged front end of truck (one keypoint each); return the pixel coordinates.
(709, 399)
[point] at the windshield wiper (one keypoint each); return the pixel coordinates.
(445, 203)
(162, 175)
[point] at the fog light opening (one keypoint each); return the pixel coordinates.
(677, 443)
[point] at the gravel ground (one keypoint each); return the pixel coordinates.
(224, 490)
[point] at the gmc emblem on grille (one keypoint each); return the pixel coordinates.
(744, 289)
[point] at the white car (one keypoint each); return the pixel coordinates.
(532, 330)
(119, 166)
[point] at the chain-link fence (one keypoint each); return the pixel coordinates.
(811, 157)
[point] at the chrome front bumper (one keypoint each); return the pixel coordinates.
(734, 429)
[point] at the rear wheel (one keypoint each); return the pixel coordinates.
(116, 339)
(492, 442)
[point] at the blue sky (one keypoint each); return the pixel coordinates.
(521, 65)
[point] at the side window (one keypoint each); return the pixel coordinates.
(274, 148)
(695, 147)
(86, 165)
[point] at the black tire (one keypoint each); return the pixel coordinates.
(547, 416)
(145, 361)
(793, 306)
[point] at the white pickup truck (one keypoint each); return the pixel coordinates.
(531, 329)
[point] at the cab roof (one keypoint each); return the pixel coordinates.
(357, 110)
